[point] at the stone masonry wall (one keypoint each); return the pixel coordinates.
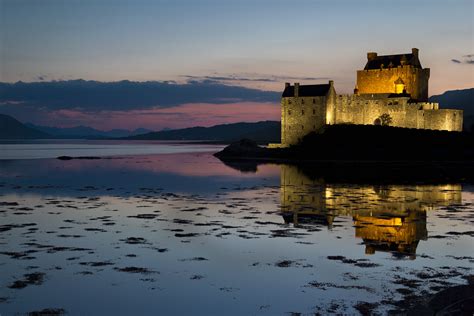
(383, 81)
(365, 110)
(300, 116)
(444, 119)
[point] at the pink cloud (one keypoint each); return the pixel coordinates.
(185, 115)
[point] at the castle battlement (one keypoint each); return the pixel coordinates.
(400, 68)
(390, 90)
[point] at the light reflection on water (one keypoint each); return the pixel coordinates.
(214, 240)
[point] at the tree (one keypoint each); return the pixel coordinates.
(385, 119)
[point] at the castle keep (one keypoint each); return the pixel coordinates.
(390, 90)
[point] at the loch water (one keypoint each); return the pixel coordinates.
(172, 230)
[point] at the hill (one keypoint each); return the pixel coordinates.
(461, 100)
(266, 131)
(86, 132)
(10, 128)
(456, 99)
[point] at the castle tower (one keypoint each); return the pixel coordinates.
(304, 109)
(381, 74)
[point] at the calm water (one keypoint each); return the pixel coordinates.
(182, 233)
(38, 149)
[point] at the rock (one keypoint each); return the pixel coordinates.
(242, 148)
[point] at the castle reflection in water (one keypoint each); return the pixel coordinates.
(386, 217)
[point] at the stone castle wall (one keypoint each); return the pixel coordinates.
(383, 81)
(365, 110)
(300, 116)
(444, 119)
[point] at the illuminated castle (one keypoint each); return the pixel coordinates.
(390, 90)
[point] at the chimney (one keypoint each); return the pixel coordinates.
(371, 56)
(297, 88)
(287, 84)
(415, 51)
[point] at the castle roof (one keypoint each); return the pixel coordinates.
(313, 90)
(393, 61)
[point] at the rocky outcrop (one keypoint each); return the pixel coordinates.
(244, 148)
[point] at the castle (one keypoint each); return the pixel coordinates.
(390, 90)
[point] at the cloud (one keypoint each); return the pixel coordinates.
(467, 59)
(95, 96)
(249, 78)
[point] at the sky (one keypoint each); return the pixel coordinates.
(250, 46)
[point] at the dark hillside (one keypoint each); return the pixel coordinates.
(10, 128)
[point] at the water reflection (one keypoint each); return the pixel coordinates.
(386, 217)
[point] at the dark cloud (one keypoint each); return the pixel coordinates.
(256, 78)
(222, 78)
(91, 96)
(467, 59)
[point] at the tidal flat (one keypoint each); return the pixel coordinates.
(182, 233)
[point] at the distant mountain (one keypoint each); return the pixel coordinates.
(86, 132)
(461, 100)
(266, 131)
(456, 99)
(10, 128)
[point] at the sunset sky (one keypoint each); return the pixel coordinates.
(219, 52)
